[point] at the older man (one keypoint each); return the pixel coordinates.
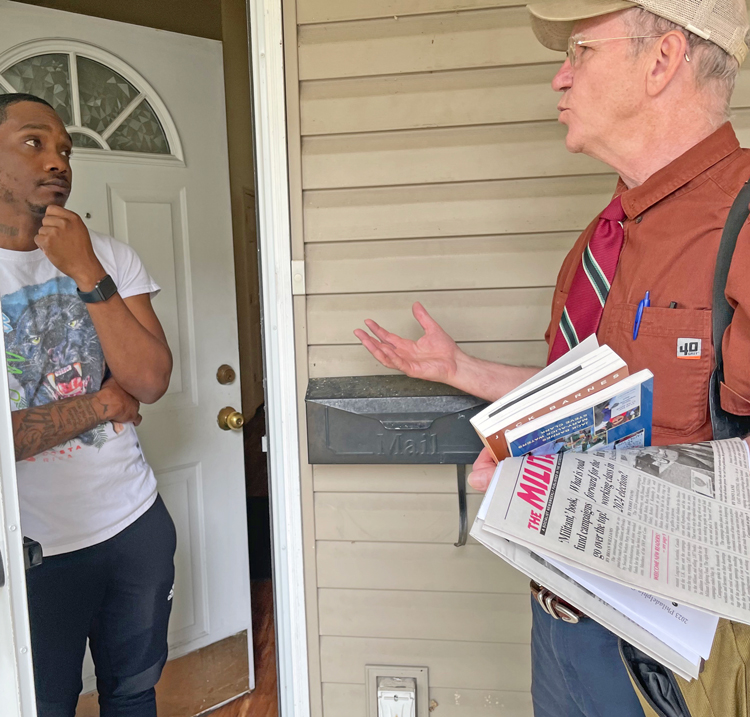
(645, 88)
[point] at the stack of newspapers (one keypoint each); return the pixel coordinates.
(652, 542)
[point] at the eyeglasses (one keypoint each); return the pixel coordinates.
(573, 45)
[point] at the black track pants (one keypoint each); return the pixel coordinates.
(118, 594)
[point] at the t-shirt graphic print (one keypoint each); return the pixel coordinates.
(52, 348)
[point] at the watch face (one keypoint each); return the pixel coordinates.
(106, 288)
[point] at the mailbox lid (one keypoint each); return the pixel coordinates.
(390, 419)
(378, 387)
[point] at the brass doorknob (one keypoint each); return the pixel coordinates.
(230, 420)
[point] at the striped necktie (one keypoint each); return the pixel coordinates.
(590, 287)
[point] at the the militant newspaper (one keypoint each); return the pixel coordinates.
(670, 522)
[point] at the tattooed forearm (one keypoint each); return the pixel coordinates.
(42, 427)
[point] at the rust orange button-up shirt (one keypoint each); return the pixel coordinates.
(672, 233)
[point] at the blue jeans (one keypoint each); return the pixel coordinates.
(576, 670)
(118, 595)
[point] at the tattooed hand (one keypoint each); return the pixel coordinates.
(40, 428)
(117, 404)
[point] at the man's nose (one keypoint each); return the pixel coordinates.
(56, 162)
(564, 78)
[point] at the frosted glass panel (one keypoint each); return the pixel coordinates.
(83, 140)
(46, 76)
(140, 132)
(103, 94)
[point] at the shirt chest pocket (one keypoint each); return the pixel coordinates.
(675, 345)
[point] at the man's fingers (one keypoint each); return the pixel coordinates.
(484, 460)
(368, 342)
(55, 210)
(482, 471)
(138, 419)
(384, 353)
(385, 336)
(393, 360)
(480, 480)
(362, 335)
(374, 347)
(51, 220)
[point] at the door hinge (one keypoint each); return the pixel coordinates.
(298, 277)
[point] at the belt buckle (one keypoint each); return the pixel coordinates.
(566, 614)
(550, 603)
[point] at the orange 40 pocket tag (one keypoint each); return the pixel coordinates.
(688, 348)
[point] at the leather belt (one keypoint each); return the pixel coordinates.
(554, 605)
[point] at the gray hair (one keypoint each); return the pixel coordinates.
(714, 68)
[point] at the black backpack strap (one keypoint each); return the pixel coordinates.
(726, 425)
(722, 312)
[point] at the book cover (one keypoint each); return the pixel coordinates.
(496, 442)
(621, 421)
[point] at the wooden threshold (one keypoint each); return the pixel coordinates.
(263, 700)
(195, 682)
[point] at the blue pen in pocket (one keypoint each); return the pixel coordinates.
(642, 304)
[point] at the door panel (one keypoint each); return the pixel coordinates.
(151, 221)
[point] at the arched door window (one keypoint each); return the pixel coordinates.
(102, 109)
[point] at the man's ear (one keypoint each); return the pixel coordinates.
(668, 54)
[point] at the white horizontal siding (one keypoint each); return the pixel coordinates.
(323, 11)
(432, 169)
(493, 314)
(433, 156)
(447, 616)
(417, 568)
(456, 209)
(426, 43)
(342, 700)
(377, 517)
(442, 264)
(453, 665)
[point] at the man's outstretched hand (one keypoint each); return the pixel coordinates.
(433, 357)
(482, 471)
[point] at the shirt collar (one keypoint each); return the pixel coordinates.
(679, 172)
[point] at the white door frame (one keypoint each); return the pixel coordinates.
(14, 618)
(274, 237)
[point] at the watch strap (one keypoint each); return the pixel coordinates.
(104, 289)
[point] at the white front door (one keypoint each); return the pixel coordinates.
(146, 109)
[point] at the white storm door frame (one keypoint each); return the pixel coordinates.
(16, 669)
(269, 114)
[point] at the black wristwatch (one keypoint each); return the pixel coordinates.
(104, 289)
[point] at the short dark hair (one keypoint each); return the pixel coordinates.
(16, 97)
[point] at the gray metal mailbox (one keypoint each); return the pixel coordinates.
(389, 419)
(393, 419)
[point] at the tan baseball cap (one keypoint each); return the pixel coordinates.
(723, 22)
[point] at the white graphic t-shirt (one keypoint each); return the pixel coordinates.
(89, 489)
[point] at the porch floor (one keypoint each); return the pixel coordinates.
(263, 700)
